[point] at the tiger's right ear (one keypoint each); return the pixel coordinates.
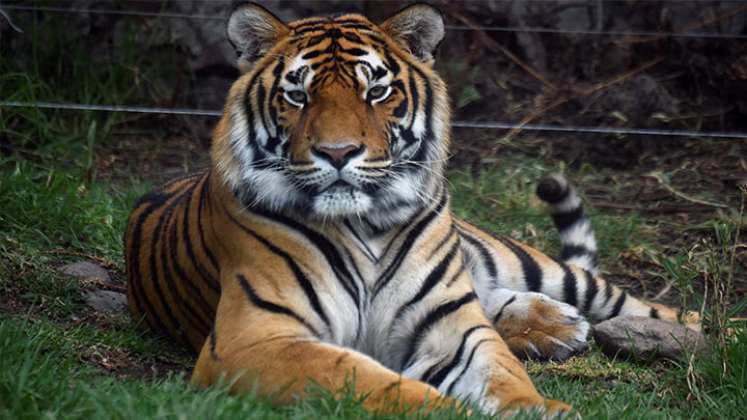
(253, 30)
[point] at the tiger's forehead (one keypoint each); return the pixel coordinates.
(349, 22)
(347, 48)
(352, 28)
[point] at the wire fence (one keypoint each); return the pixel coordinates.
(451, 27)
(458, 124)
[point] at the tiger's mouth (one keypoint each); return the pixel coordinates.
(340, 186)
(341, 199)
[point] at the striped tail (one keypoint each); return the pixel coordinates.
(579, 247)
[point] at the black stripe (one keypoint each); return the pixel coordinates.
(277, 73)
(378, 231)
(532, 270)
(443, 241)
(487, 259)
(261, 94)
(429, 372)
(654, 313)
(309, 22)
(333, 257)
(156, 200)
(173, 274)
(430, 319)
(439, 376)
(300, 276)
(352, 37)
(466, 365)
(428, 103)
(178, 333)
(425, 145)
(566, 219)
(251, 294)
(203, 198)
(570, 292)
(352, 262)
(430, 282)
(591, 290)
(497, 316)
(207, 278)
(312, 54)
(415, 99)
(607, 292)
(213, 344)
(187, 240)
(618, 305)
(357, 26)
(571, 251)
(404, 250)
(248, 95)
(458, 273)
(176, 278)
(393, 66)
(358, 52)
(371, 256)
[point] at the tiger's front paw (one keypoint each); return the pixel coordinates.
(546, 409)
(537, 327)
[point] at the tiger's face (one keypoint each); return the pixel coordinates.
(335, 117)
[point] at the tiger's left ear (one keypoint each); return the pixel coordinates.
(419, 28)
(253, 30)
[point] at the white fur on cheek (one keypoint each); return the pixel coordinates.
(273, 189)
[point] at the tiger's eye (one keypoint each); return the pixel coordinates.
(297, 96)
(377, 92)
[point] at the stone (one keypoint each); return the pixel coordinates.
(86, 270)
(106, 301)
(645, 338)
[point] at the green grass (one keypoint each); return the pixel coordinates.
(45, 354)
(40, 375)
(55, 208)
(503, 201)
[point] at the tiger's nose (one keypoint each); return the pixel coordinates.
(338, 154)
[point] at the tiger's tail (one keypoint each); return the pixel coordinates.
(579, 246)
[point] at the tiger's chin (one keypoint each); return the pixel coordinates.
(341, 202)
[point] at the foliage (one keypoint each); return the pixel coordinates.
(59, 360)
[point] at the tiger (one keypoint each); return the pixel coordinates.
(319, 246)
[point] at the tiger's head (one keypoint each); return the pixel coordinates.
(335, 117)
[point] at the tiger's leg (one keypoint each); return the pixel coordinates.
(260, 343)
(459, 353)
(500, 265)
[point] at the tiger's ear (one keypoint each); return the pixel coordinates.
(419, 28)
(253, 30)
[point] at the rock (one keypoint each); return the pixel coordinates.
(86, 270)
(646, 338)
(106, 301)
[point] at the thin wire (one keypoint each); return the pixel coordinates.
(448, 27)
(10, 21)
(597, 33)
(601, 130)
(114, 12)
(457, 124)
(113, 108)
